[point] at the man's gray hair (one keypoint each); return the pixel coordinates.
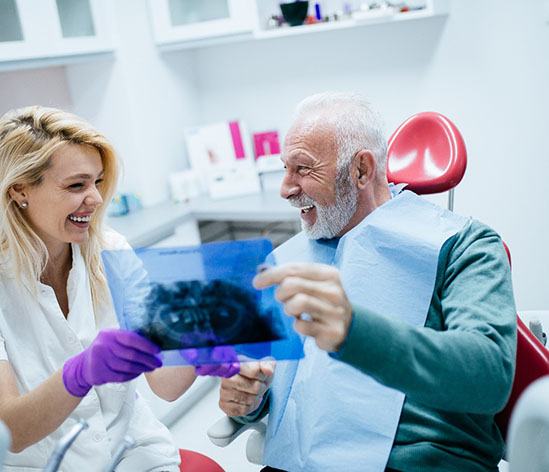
(357, 126)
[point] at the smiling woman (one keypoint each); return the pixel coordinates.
(59, 337)
(60, 208)
(49, 163)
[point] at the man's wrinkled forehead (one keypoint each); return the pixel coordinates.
(310, 135)
(316, 123)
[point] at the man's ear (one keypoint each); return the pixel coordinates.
(17, 193)
(365, 166)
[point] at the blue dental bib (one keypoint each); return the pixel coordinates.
(326, 415)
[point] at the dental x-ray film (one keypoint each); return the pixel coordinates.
(192, 300)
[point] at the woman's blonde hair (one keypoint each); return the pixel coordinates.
(28, 139)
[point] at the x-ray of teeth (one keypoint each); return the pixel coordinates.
(199, 314)
(199, 298)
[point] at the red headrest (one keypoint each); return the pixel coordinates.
(428, 153)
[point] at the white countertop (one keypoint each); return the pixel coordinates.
(147, 226)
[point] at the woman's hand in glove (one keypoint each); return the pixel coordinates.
(115, 355)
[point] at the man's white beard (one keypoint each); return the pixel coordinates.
(331, 219)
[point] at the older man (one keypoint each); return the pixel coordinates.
(406, 310)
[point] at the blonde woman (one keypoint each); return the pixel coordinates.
(62, 357)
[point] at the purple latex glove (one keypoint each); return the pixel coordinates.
(226, 355)
(114, 355)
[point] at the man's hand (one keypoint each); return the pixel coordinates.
(314, 290)
(242, 394)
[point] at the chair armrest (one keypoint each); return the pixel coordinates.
(529, 429)
(255, 446)
(225, 430)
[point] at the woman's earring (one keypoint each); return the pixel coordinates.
(24, 205)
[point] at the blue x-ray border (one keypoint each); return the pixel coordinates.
(131, 274)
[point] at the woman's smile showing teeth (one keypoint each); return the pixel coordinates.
(80, 221)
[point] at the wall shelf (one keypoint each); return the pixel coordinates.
(251, 27)
(344, 24)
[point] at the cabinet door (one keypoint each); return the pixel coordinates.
(42, 29)
(188, 20)
(81, 26)
(17, 34)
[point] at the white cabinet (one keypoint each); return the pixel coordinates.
(181, 21)
(42, 30)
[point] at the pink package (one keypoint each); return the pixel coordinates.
(266, 143)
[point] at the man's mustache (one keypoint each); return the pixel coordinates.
(301, 202)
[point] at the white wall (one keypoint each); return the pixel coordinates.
(486, 67)
(30, 87)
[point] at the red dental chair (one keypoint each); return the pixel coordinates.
(428, 153)
(192, 461)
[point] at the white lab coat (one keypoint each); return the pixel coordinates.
(36, 338)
